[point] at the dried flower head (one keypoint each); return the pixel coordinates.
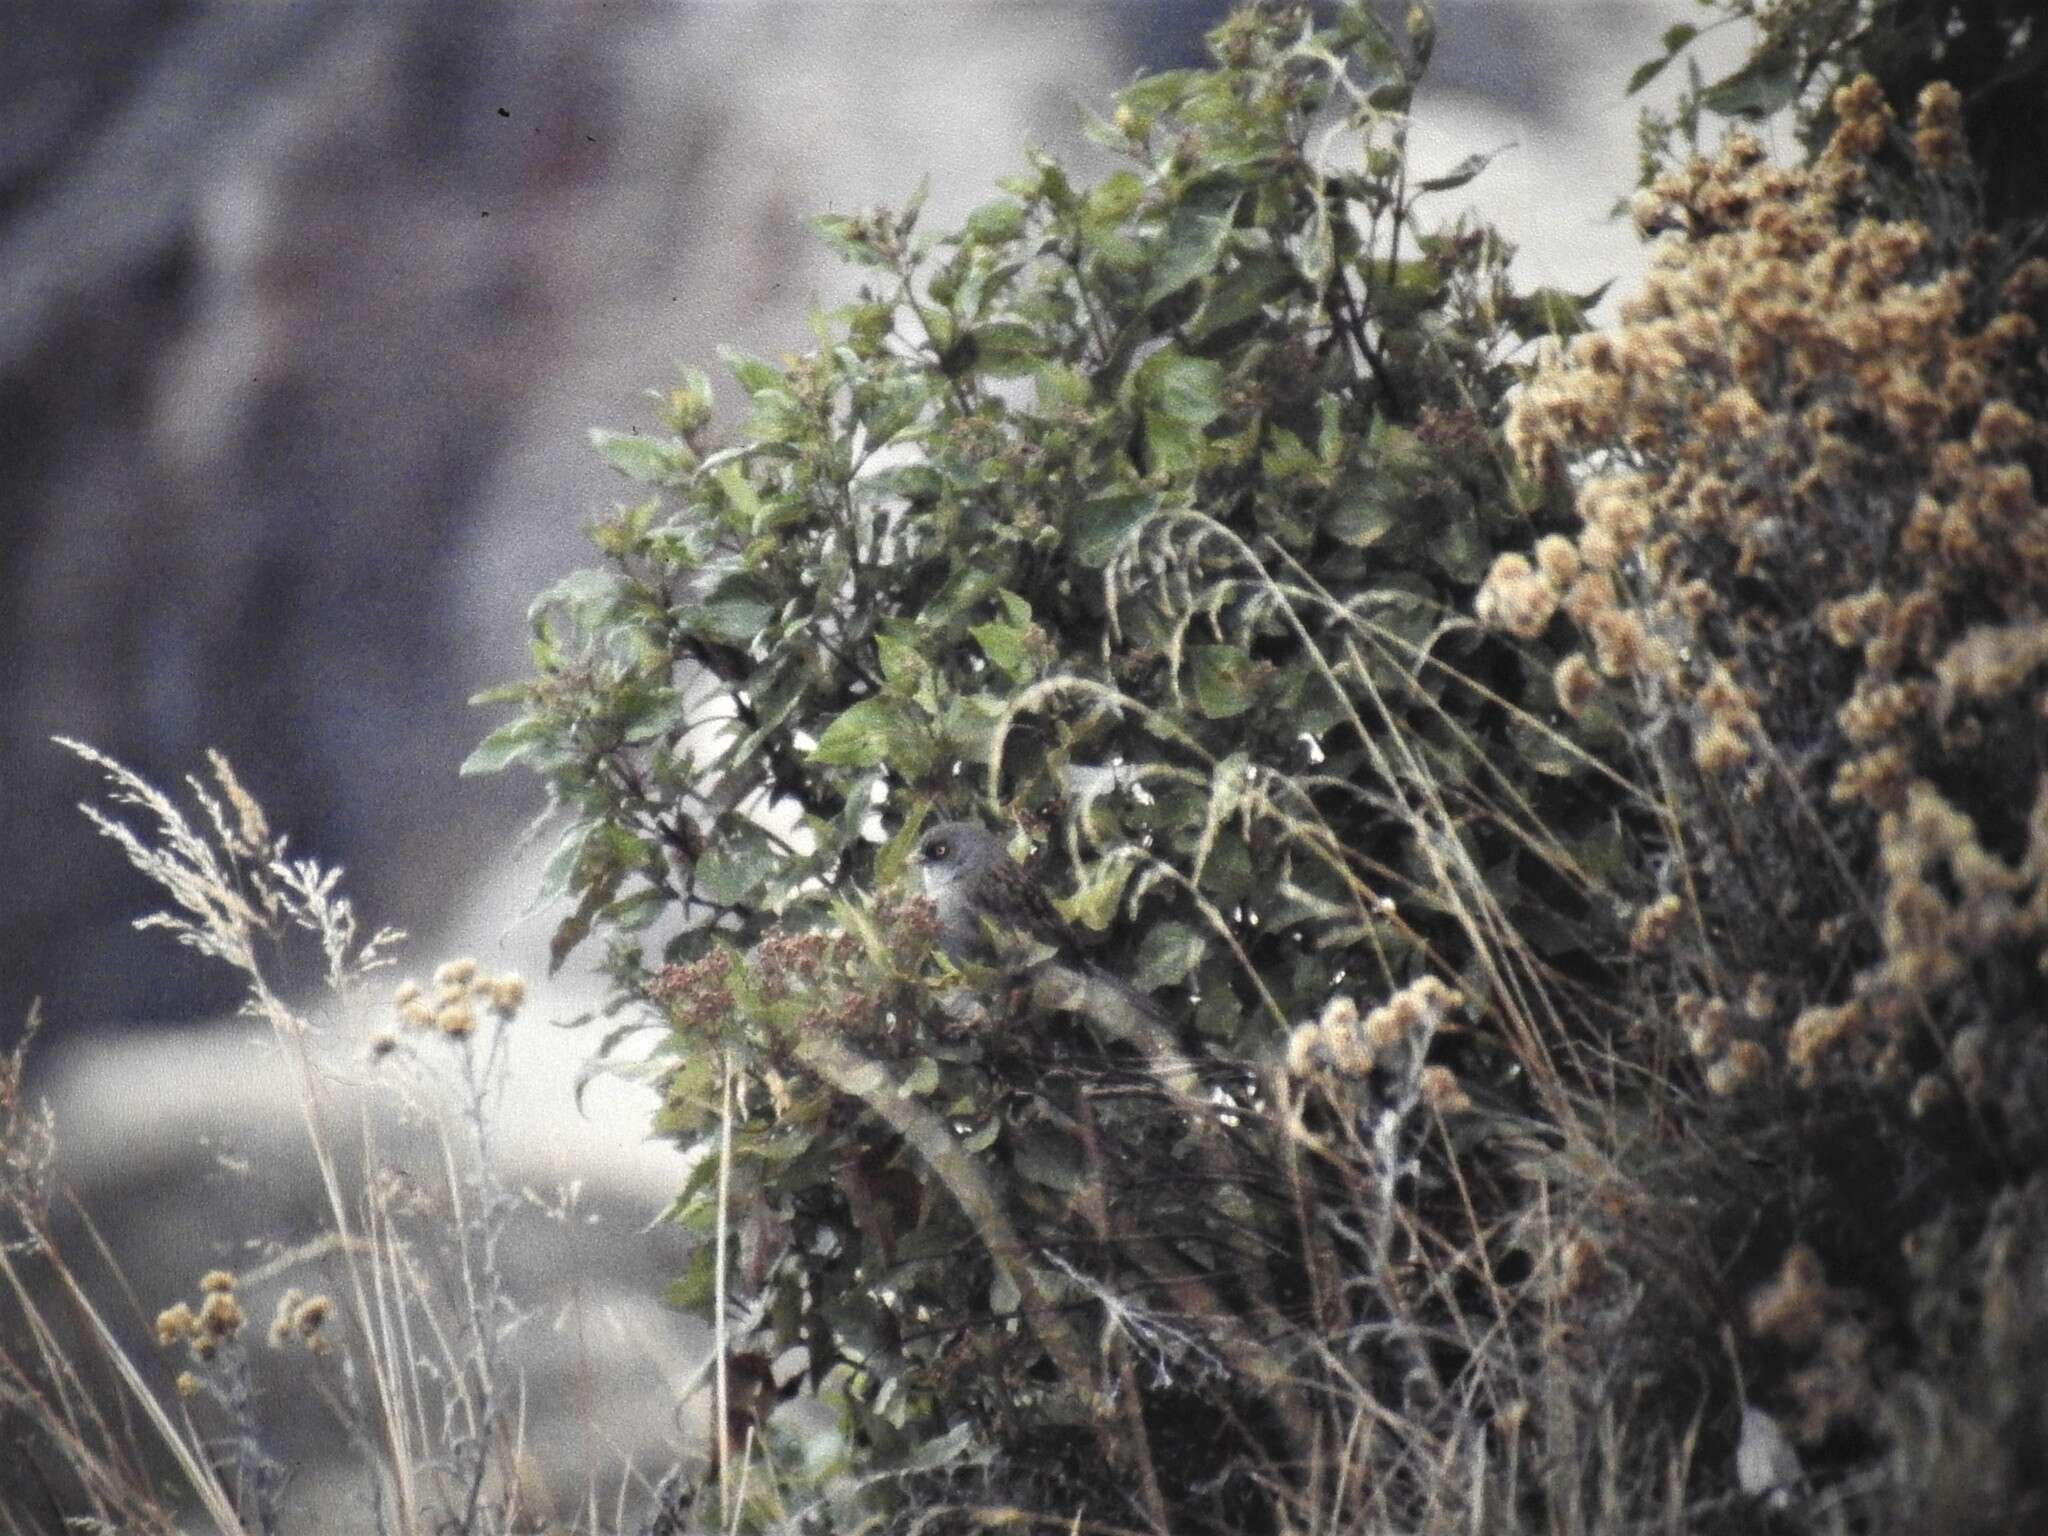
(456, 1020)
(1744, 1065)
(221, 1316)
(1442, 1091)
(311, 1315)
(1580, 1263)
(1514, 598)
(1792, 1306)
(279, 1333)
(1305, 1050)
(1937, 131)
(1394, 1022)
(1654, 924)
(1576, 684)
(506, 994)
(176, 1324)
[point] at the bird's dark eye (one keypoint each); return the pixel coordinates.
(938, 850)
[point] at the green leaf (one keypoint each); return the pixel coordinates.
(1241, 292)
(1099, 526)
(875, 732)
(753, 374)
(1007, 349)
(966, 587)
(1455, 544)
(585, 599)
(1110, 202)
(1180, 388)
(1364, 517)
(1221, 676)
(1458, 174)
(1768, 83)
(1163, 92)
(1542, 750)
(1286, 458)
(1007, 646)
(849, 239)
(1645, 73)
(650, 460)
(1094, 906)
(504, 747)
(1047, 1156)
(738, 863)
(968, 727)
(1319, 247)
(1393, 96)
(746, 501)
(1059, 385)
(894, 856)
(1167, 956)
(630, 914)
(995, 222)
(698, 1287)
(902, 667)
(906, 221)
(569, 932)
(777, 418)
(1551, 312)
(734, 611)
(687, 407)
(1675, 38)
(1178, 396)
(655, 714)
(1228, 874)
(1219, 1015)
(1193, 241)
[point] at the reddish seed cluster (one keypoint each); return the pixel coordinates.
(833, 971)
(696, 996)
(786, 962)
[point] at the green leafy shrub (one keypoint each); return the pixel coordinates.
(1143, 517)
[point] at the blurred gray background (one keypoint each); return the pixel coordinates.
(305, 310)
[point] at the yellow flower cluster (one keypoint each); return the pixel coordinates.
(301, 1319)
(1812, 544)
(450, 1003)
(217, 1320)
(1344, 1043)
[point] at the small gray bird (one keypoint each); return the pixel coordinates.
(991, 912)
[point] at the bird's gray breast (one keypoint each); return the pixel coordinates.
(960, 934)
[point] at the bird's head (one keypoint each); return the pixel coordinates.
(952, 852)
